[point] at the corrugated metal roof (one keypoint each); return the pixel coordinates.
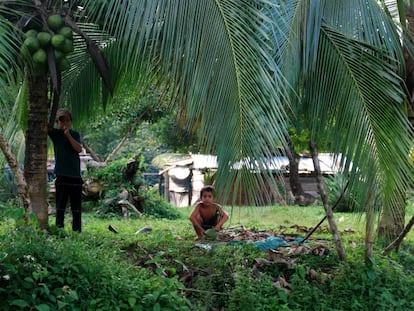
(329, 163)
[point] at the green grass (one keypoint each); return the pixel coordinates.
(276, 218)
(280, 219)
(165, 269)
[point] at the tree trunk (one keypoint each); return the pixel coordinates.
(369, 229)
(90, 151)
(391, 227)
(392, 222)
(126, 136)
(325, 200)
(35, 171)
(22, 189)
(294, 182)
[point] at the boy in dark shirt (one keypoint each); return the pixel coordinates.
(67, 146)
(207, 214)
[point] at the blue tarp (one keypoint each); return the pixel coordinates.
(274, 243)
(269, 243)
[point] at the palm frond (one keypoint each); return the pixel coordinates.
(11, 41)
(355, 101)
(347, 81)
(216, 55)
(365, 21)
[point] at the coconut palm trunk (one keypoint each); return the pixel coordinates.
(35, 171)
(392, 221)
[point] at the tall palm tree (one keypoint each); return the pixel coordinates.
(345, 64)
(242, 68)
(214, 55)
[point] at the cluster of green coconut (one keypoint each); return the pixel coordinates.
(60, 38)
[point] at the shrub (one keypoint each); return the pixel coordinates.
(113, 179)
(44, 272)
(156, 206)
(356, 287)
(253, 293)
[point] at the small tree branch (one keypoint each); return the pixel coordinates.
(396, 243)
(91, 152)
(324, 217)
(124, 139)
(22, 188)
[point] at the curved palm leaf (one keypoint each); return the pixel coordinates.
(11, 40)
(218, 57)
(344, 62)
(216, 54)
(362, 113)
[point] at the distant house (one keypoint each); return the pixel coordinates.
(183, 178)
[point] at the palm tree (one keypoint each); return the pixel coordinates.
(239, 67)
(212, 53)
(344, 62)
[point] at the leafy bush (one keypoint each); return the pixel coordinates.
(156, 206)
(112, 176)
(44, 272)
(356, 287)
(253, 293)
(113, 180)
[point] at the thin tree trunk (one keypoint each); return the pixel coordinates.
(22, 189)
(324, 217)
(369, 228)
(124, 139)
(325, 200)
(35, 171)
(392, 222)
(91, 152)
(294, 182)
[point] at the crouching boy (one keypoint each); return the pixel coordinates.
(207, 214)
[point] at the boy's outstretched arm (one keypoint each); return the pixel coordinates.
(196, 220)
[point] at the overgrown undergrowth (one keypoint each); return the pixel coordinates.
(163, 268)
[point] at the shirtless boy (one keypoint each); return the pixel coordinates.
(207, 214)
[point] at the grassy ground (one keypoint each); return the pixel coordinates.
(166, 269)
(292, 219)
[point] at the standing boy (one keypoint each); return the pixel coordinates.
(67, 146)
(207, 214)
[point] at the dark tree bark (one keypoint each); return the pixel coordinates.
(294, 181)
(300, 196)
(35, 171)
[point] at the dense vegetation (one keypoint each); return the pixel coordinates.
(163, 268)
